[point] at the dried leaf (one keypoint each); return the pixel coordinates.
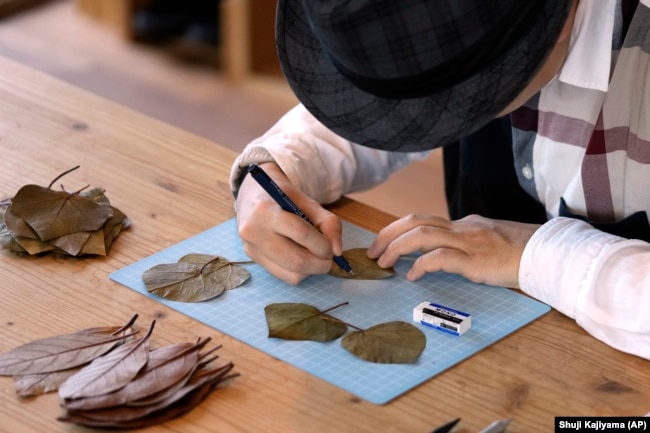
(109, 372)
(41, 220)
(387, 343)
(182, 406)
(194, 278)
(31, 246)
(6, 239)
(62, 352)
(95, 194)
(169, 391)
(363, 267)
(52, 214)
(129, 387)
(165, 367)
(25, 238)
(31, 385)
(194, 392)
(71, 243)
(114, 227)
(296, 321)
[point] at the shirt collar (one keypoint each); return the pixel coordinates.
(588, 62)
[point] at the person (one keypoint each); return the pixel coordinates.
(381, 83)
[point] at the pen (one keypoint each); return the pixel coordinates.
(287, 204)
(497, 426)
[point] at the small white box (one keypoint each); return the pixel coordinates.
(442, 318)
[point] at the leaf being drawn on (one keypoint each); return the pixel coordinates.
(387, 343)
(62, 352)
(363, 267)
(194, 278)
(109, 372)
(296, 321)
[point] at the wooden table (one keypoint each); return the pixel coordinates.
(173, 185)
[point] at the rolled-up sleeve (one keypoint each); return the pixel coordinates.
(600, 280)
(316, 160)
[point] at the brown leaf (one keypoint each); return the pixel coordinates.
(24, 236)
(114, 227)
(109, 372)
(31, 246)
(194, 278)
(6, 239)
(182, 406)
(31, 385)
(180, 403)
(116, 416)
(62, 352)
(387, 343)
(296, 321)
(167, 392)
(363, 267)
(40, 220)
(165, 367)
(52, 214)
(71, 243)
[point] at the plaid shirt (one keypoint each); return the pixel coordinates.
(583, 144)
(584, 140)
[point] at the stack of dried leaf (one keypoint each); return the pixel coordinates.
(105, 378)
(39, 219)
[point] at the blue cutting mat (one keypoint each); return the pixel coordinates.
(496, 312)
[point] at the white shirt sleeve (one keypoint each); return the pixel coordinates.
(600, 280)
(316, 160)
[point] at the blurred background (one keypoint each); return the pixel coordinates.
(206, 66)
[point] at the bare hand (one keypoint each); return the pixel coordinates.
(480, 249)
(289, 247)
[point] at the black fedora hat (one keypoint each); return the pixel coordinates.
(410, 75)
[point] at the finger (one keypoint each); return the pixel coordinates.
(439, 260)
(286, 259)
(403, 225)
(464, 264)
(282, 273)
(304, 234)
(421, 238)
(331, 227)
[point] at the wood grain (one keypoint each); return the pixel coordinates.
(173, 185)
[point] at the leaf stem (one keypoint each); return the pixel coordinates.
(127, 326)
(61, 175)
(335, 319)
(78, 192)
(224, 265)
(247, 262)
(335, 307)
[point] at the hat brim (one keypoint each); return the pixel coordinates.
(414, 124)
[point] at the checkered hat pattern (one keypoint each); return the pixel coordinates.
(411, 75)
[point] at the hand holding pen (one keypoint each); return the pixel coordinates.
(288, 248)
